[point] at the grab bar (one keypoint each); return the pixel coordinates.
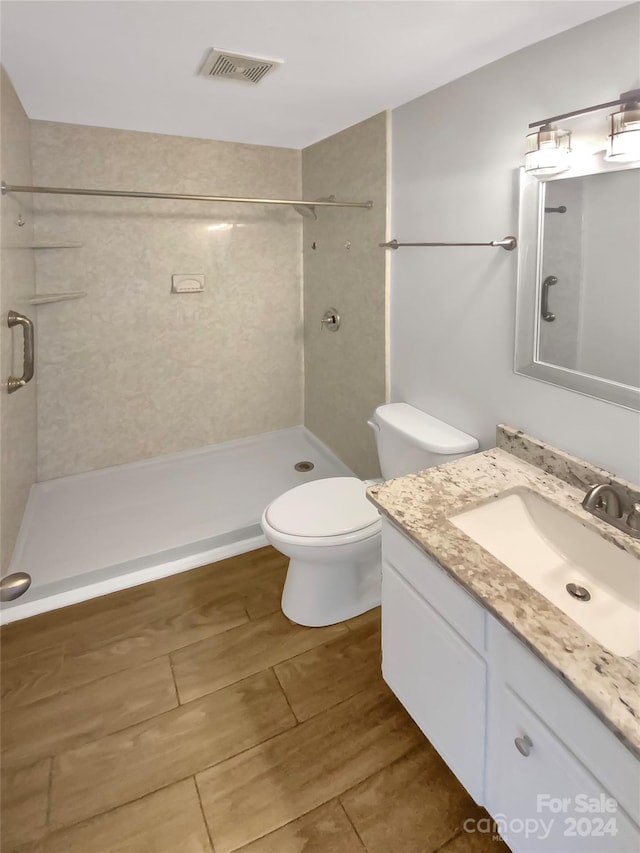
(547, 315)
(15, 382)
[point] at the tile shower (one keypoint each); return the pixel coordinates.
(142, 392)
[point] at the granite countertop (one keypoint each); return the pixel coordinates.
(421, 504)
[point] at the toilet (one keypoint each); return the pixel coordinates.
(332, 533)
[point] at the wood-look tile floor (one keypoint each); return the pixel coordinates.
(190, 716)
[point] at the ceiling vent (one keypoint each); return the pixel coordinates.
(235, 66)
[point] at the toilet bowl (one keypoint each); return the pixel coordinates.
(332, 536)
(332, 533)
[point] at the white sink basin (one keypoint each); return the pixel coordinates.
(549, 548)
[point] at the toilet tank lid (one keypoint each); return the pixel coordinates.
(424, 430)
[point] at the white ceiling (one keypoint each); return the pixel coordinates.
(133, 65)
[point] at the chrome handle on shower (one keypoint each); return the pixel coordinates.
(547, 315)
(16, 382)
(330, 320)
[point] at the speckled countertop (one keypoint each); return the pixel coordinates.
(421, 504)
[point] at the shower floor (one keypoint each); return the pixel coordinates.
(90, 534)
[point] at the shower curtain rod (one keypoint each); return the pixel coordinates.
(11, 188)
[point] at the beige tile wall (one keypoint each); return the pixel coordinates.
(346, 371)
(17, 284)
(133, 371)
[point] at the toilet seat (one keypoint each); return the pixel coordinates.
(334, 509)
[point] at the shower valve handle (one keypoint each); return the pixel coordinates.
(330, 320)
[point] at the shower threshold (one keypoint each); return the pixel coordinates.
(94, 533)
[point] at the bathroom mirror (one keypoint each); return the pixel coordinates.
(578, 305)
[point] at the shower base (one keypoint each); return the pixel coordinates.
(94, 533)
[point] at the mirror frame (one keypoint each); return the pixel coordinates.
(530, 226)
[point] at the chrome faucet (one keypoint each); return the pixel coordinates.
(605, 498)
(611, 504)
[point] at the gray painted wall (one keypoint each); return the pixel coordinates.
(455, 156)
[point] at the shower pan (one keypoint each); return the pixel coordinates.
(91, 534)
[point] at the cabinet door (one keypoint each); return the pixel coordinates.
(437, 676)
(536, 787)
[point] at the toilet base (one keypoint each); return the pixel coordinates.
(318, 593)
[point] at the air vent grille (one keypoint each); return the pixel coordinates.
(235, 66)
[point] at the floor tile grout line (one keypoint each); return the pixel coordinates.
(177, 781)
(321, 646)
(451, 838)
(175, 682)
(375, 773)
(151, 589)
(224, 599)
(274, 736)
(174, 781)
(336, 796)
(333, 799)
(65, 690)
(351, 823)
(267, 665)
(339, 797)
(86, 684)
(47, 817)
(336, 639)
(67, 826)
(284, 693)
(204, 816)
(166, 617)
(164, 653)
(72, 748)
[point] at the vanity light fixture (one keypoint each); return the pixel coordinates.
(548, 150)
(624, 135)
(549, 147)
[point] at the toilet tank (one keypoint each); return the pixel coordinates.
(410, 440)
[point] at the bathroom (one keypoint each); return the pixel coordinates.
(158, 691)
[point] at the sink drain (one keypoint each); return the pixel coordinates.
(303, 466)
(578, 592)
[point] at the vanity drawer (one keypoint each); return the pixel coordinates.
(439, 679)
(435, 585)
(533, 778)
(567, 715)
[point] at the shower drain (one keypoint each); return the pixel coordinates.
(578, 592)
(303, 466)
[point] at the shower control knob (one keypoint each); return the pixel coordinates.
(330, 320)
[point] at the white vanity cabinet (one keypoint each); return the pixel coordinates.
(546, 798)
(438, 677)
(551, 774)
(434, 663)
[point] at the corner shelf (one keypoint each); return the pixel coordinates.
(70, 245)
(46, 298)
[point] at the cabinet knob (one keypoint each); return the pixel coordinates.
(524, 745)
